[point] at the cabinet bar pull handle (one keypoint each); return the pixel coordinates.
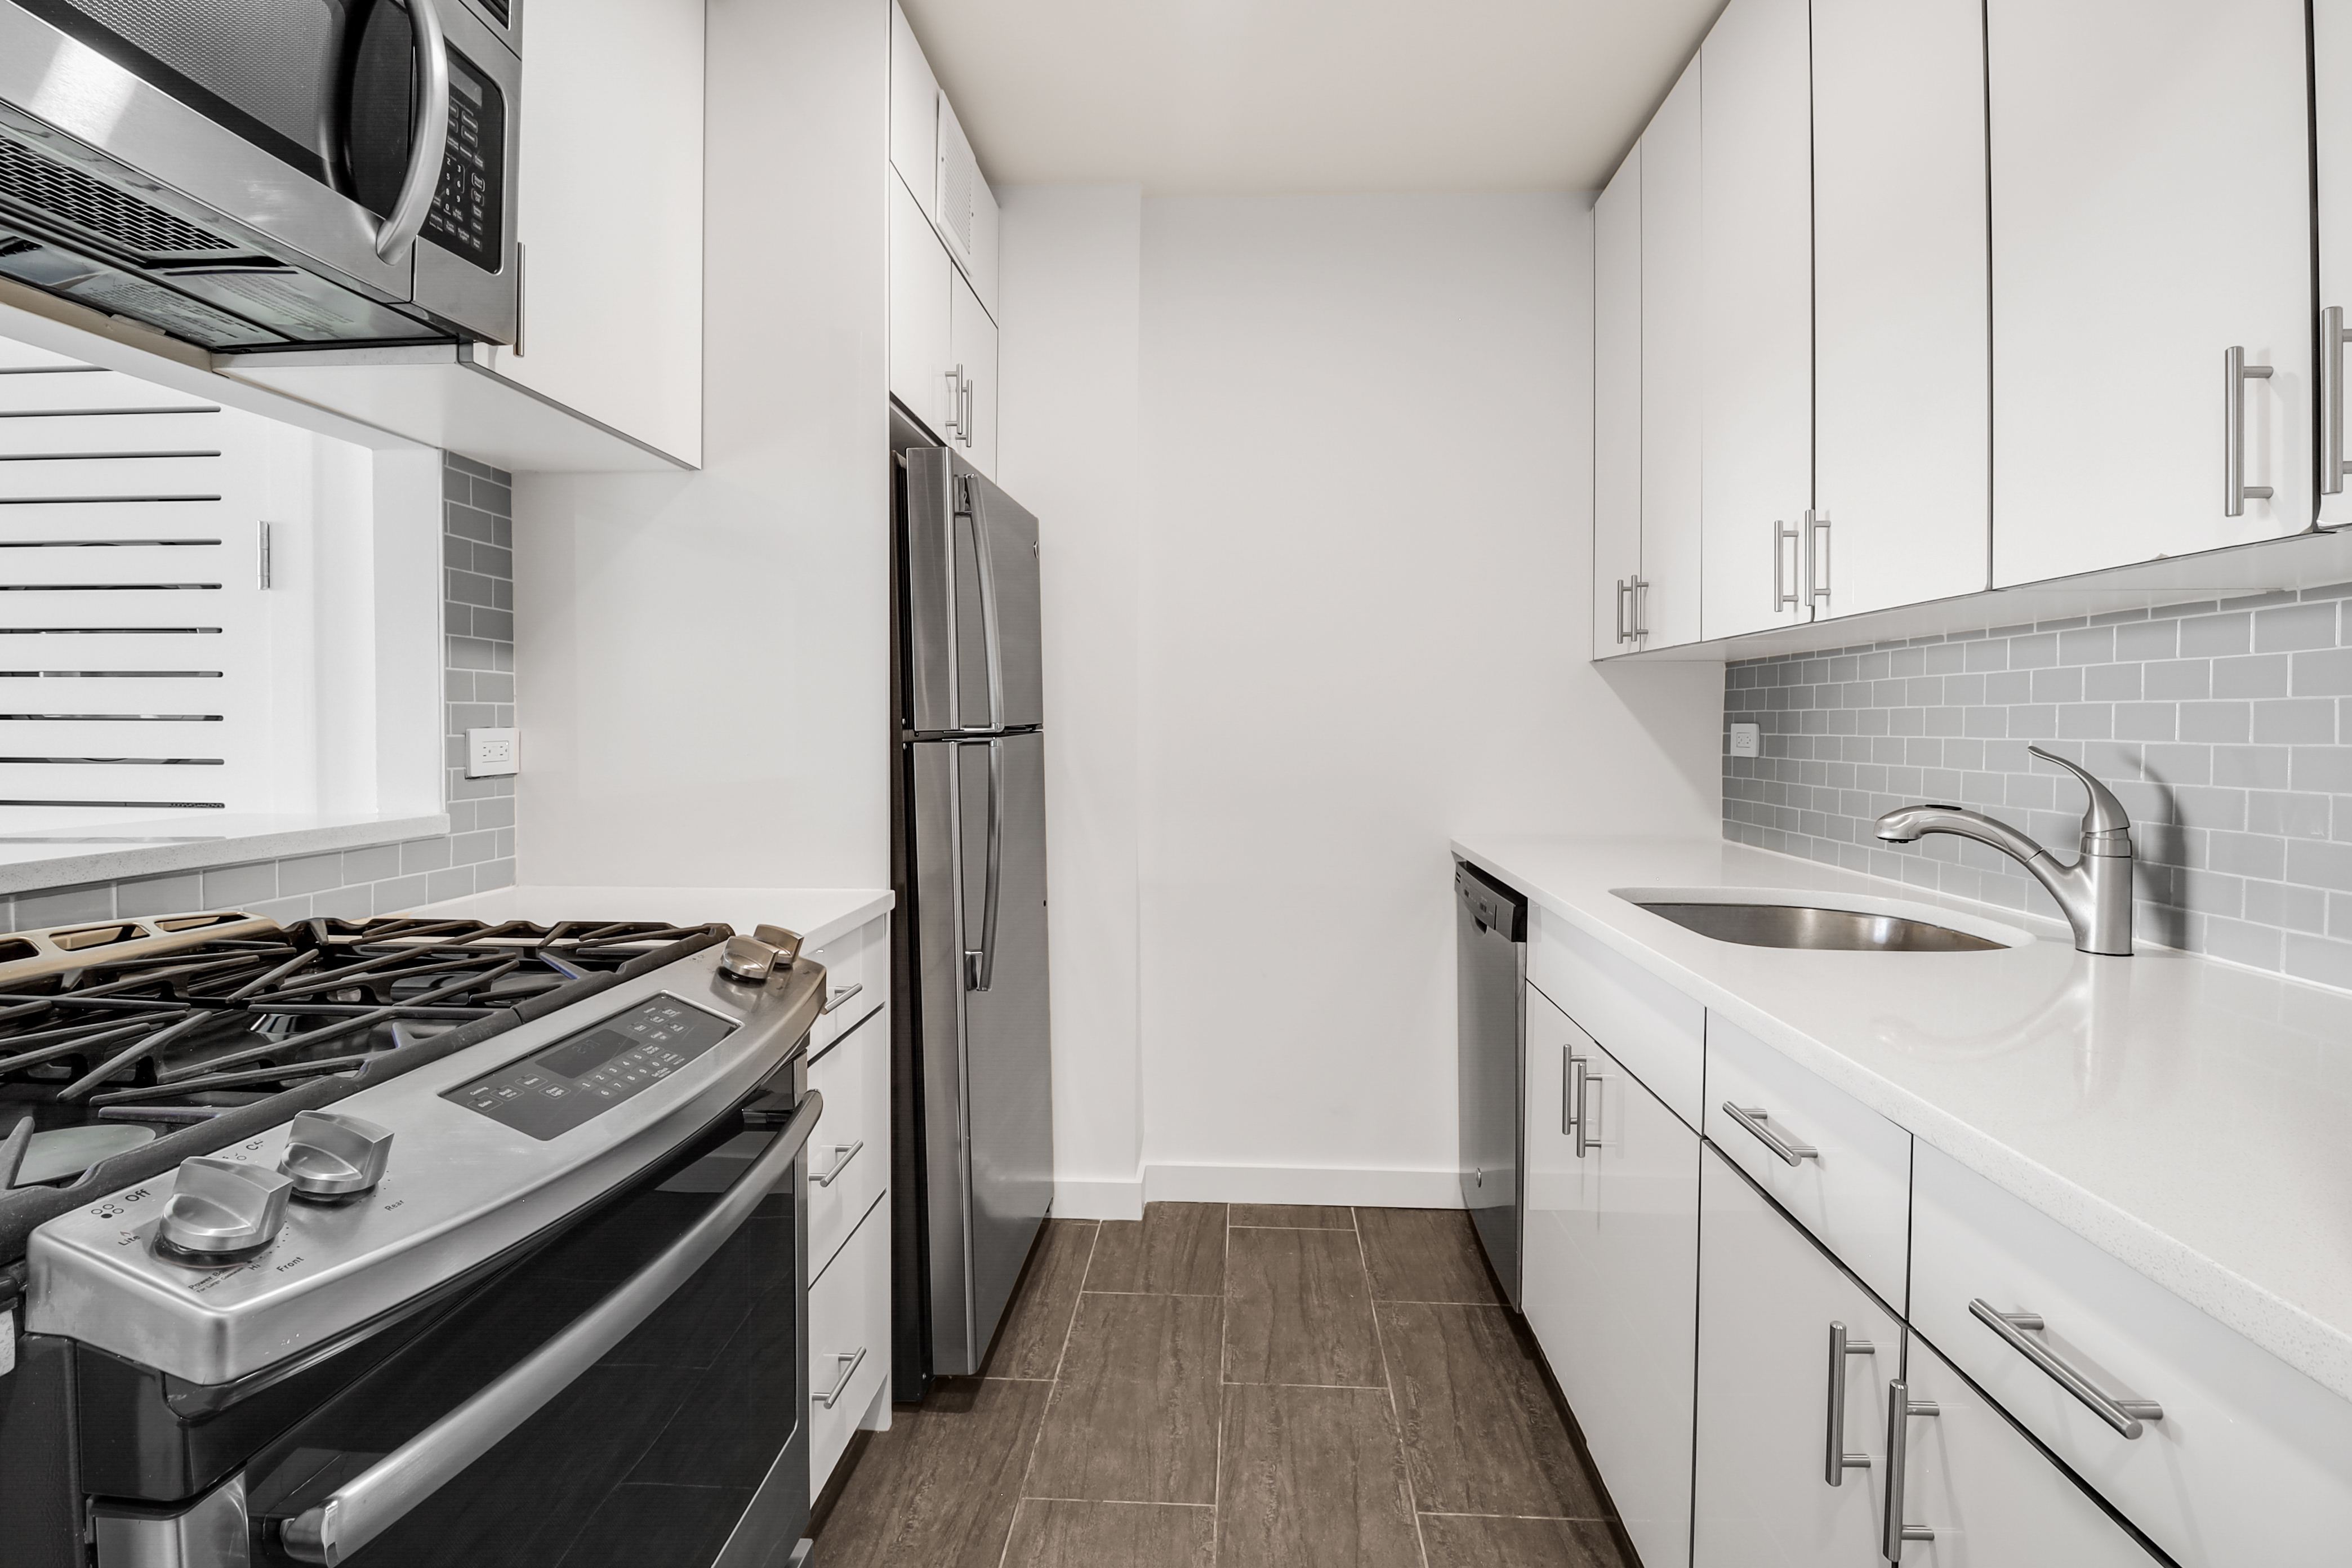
(1816, 558)
(1641, 607)
(1835, 1461)
(842, 1153)
(955, 402)
(2235, 374)
(1585, 1078)
(1624, 592)
(1571, 1083)
(833, 1004)
(1900, 1408)
(1754, 1118)
(849, 1362)
(2331, 401)
(1784, 592)
(2124, 1414)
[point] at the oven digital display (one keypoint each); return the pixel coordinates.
(556, 1089)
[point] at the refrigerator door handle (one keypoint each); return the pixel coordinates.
(979, 967)
(991, 631)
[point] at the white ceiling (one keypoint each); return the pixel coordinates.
(1207, 96)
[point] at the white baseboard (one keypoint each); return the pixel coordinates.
(1097, 1199)
(1302, 1184)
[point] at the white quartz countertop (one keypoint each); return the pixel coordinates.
(819, 914)
(2190, 1118)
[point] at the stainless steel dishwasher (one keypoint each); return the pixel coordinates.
(1490, 923)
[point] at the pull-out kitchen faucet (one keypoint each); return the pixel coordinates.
(2095, 892)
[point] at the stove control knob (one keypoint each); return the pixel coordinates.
(222, 1210)
(748, 959)
(331, 1156)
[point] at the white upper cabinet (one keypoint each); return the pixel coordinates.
(923, 293)
(971, 339)
(612, 311)
(914, 115)
(1673, 362)
(944, 240)
(1756, 351)
(2150, 214)
(2331, 41)
(1903, 444)
(1617, 410)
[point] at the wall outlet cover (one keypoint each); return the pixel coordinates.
(490, 754)
(1746, 740)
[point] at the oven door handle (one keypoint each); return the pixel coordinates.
(397, 237)
(373, 1502)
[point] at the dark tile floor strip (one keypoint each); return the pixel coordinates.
(1216, 1386)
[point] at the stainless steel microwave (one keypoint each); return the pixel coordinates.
(249, 175)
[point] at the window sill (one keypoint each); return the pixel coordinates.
(66, 856)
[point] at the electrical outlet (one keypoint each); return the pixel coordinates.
(1746, 740)
(490, 753)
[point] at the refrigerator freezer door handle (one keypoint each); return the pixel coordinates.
(980, 968)
(991, 631)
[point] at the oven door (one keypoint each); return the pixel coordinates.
(633, 1392)
(289, 129)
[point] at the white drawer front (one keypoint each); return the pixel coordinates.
(1650, 1028)
(852, 1143)
(856, 980)
(1853, 1191)
(2251, 1463)
(849, 1342)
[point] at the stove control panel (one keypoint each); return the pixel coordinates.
(582, 1076)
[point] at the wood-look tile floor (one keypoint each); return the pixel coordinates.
(1250, 1385)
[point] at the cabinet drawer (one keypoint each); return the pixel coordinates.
(849, 1342)
(850, 1156)
(1648, 1026)
(1853, 1191)
(2251, 1463)
(856, 980)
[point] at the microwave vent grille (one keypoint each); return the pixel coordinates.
(71, 196)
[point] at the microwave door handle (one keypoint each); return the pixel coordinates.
(397, 236)
(375, 1500)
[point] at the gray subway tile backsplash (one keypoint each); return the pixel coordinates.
(2226, 728)
(475, 856)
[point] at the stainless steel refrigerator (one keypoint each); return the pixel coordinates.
(972, 1080)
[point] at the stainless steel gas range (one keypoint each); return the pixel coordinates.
(407, 1242)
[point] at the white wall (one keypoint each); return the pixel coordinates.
(703, 657)
(1361, 599)
(1070, 264)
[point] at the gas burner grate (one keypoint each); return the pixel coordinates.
(218, 1022)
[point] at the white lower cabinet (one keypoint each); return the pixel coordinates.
(1794, 1357)
(849, 1340)
(1612, 1258)
(848, 1207)
(2249, 1462)
(1988, 1496)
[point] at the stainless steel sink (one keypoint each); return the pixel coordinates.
(1832, 931)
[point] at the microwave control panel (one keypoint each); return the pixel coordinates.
(560, 1087)
(469, 208)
